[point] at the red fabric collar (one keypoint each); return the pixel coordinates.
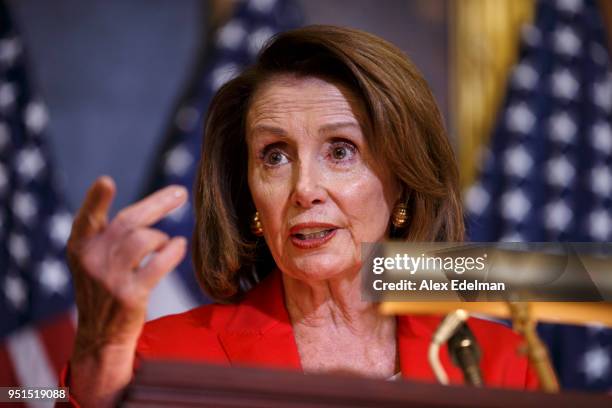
(260, 333)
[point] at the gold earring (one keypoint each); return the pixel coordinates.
(256, 226)
(399, 215)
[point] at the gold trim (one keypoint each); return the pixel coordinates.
(484, 45)
(580, 313)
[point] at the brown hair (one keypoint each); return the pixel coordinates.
(404, 130)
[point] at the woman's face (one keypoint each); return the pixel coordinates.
(319, 192)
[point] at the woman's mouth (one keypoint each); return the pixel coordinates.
(311, 237)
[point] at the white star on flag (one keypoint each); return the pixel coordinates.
(512, 236)
(187, 118)
(36, 117)
(564, 84)
(8, 93)
(519, 118)
(596, 363)
(18, 248)
(24, 207)
(15, 291)
(517, 161)
(259, 38)
(525, 76)
(262, 6)
(595, 328)
(222, 74)
(557, 215)
(60, 226)
(531, 35)
(54, 276)
(178, 161)
(560, 171)
(566, 41)
(572, 6)
(515, 205)
(601, 180)
(476, 198)
(599, 224)
(602, 93)
(562, 128)
(601, 137)
(231, 35)
(29, 163)
(10, 48)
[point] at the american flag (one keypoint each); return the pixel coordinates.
(36, 300)
(37, 325)
(547, 174)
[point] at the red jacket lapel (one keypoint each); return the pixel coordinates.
(260, 333)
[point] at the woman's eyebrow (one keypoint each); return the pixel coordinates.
(280, 132)
(332, 127)
(274, 130)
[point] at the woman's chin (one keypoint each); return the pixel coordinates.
(321, 267)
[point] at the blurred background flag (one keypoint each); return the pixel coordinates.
(36, 318)
(36, 299)
(234, 46)
(547, 175)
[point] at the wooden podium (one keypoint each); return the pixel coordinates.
(175, 384)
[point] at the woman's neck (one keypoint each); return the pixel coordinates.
(336, 331)
(335, 302)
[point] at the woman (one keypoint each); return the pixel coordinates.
(331, 139)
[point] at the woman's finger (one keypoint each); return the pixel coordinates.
(133, 247)
(163, 261)
(93, 214)
(149, 210)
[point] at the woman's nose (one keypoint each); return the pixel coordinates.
(307, 189)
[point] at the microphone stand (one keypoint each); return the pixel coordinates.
(465, 354)
(445, 330)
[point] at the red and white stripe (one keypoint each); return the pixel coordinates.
(34, 356)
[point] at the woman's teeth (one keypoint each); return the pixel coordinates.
(313, 235)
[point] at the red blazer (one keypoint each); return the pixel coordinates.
(257, 331)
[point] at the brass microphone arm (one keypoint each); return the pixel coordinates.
(524, 316)
(525, 325)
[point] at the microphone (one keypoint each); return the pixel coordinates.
(465, 354)
(445, 330)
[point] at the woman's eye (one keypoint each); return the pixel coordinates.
(274, 157)
(339, 153)
(342, 151)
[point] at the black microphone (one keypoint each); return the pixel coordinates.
(465, 354)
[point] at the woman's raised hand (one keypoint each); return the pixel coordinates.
(115, 265)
